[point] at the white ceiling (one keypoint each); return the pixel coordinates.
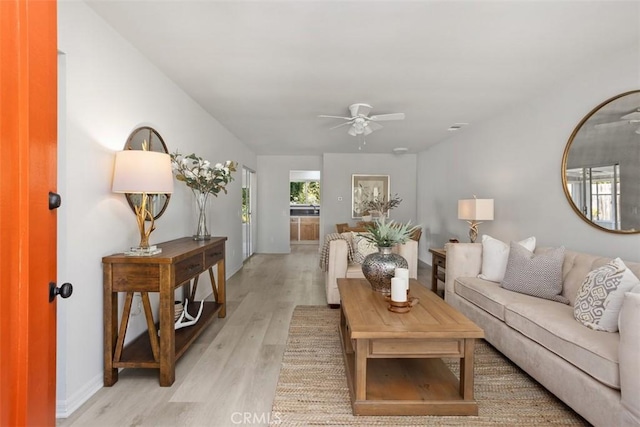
(267, 69)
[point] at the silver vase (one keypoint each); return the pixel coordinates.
(379, 267)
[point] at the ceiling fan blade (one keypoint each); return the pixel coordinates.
(373, 126)
(340, 125)
(384, 117)
(335, 117)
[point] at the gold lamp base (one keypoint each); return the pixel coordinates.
(473, 230)
(142, 213)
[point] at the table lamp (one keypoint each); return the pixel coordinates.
(473, 211)
(143, 172)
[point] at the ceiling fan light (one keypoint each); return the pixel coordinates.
(352, 131)
(367, 130)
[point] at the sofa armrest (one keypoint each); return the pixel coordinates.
(463, 260)
(629, 360)
(337, 268)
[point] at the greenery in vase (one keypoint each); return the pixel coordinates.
(388, 233)
(200, 175)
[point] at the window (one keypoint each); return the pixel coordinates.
(304, 193)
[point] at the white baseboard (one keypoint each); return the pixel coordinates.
(64, 408)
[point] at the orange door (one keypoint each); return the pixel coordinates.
(28, 120)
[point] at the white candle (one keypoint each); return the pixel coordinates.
(401, 272)
(398, 289)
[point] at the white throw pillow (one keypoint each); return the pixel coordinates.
(600, 297)
(362, 247)
(495, 255)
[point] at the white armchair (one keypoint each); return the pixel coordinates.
(338, 264)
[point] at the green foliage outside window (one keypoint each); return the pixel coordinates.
(304, 193)
(245, 205)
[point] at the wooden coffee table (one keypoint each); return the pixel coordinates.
(393, 360)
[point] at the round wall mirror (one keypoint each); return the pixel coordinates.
(148, 139)
(601, 165)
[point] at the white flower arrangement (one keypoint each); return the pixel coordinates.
(199, 175)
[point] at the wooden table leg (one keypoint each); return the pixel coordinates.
(110, 307)
(124, 322)
(214, 287)
(360, 382)
(466, 370)
(151, 327)
(222, 286)
(434, 274)
(167, 331)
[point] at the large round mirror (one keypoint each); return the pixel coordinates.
(148, 139)
(601, 165)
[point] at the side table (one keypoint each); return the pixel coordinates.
(438, 267)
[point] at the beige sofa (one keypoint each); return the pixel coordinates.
(339, 266)
(595, 373)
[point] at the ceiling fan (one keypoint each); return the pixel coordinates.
(360, 122)
(632, 118)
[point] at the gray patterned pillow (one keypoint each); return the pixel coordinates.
(600, 296)
(362, 247)
(537, 275)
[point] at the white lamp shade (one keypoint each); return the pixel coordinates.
(138, 171)
(475, 209)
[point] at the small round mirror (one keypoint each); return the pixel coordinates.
(148, 139)
(601, 165)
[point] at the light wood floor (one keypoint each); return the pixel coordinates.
(229, 375)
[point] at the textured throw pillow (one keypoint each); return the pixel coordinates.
(537, 275)
(600, 296)
(362, 247)
(495, 254)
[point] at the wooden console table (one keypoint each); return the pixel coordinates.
(181, 261)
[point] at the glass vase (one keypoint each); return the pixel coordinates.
(202, 220)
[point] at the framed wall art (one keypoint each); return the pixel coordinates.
(365, 188)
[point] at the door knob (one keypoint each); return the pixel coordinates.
(64, 291)
(54, 200)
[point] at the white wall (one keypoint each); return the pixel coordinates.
(110, 90)
(273, 199)
(336, 182)
(515, 158)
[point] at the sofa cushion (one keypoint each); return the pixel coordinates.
(362, 247)
(552, 325)
(487, 295)
(539, 275)
(495, 254)
(599, 299)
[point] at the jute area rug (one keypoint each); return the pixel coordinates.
(312, 387)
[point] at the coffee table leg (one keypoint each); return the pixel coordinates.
(466, 370)
(361, 369)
